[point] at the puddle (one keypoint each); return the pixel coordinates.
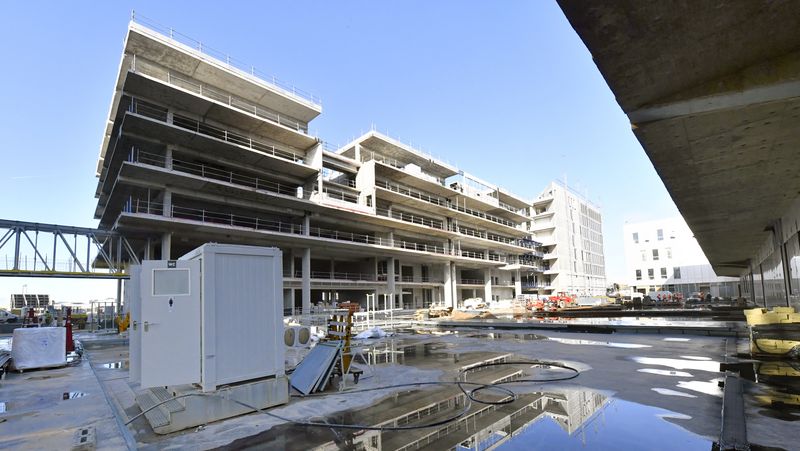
(610, 344)
(711, 387)
(3, 407)
(5, 344)
(702, 365)
(668, 392)
(677, 339)
(694, 357)
(115, 365)
(72, 395)
(508, 336)
(664, 372)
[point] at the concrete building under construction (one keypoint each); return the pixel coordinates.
(197, 150)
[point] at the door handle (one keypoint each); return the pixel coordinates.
(134, 325)
(147, 325)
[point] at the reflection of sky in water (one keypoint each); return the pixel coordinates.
(610, 344)
(5, 343)
(679, 364)
(621, 425)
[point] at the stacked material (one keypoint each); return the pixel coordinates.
(778, 315)
(313, 373)
(39, 347)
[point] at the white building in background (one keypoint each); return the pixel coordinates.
(570, 230)
(664, 255)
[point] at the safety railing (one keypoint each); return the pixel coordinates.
(225, 59)
(436, 200)
(464, 281)
(212, 172)
(339, 195)
(152, 111)
(472, 254)
(408, 217)
(340, 181)
(326, 275)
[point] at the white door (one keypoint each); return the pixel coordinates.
(170, 322)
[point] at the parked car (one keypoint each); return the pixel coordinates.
(8, 317)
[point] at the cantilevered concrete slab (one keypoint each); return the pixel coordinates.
(712, 90)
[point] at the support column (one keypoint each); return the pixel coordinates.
(166, 246)
(168, 158)
(390, 281)
(487, 285)
(307, 224)
(517, 285)
(148, 250)
(167, 204)
(306, 283)
(449, 282)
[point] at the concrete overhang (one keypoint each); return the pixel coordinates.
(712, 91)
(143, 127)
(171, 54)
(138, 84)
(392, 148)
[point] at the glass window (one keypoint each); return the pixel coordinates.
(638, 274)
(651, 274)
(663, 273)
(669, 252)
(655, 254)
(171, 282)
(676, 273)
(660, 233)
(636, 237)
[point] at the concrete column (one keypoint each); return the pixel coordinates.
(166, 246)
(449, 283)
(357, 152)
(148, 250)
(487, 285)
(333, 267)
(390, 282)
(307, 224)
(517, 284)
(167, 210)
(306, 283)
(168, 158)
(290, 255)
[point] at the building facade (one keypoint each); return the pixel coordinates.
(196, 150)
(664, 255)
(570, 230)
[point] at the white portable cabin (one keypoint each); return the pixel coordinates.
(213, 317)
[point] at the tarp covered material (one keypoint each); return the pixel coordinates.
(312, 373)
(39, 347)
(375, 332)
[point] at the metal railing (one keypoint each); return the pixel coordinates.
(442, 202)
(326, 275)
(152, 111)
(225, 59)
(471, 282)
(218, 95)
(339, 195)
(408, 217)
(211, 172)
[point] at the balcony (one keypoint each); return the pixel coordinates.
(338, 276)
(408, 217)
(158, 113)
(471, 282)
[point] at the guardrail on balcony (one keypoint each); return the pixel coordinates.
(159, 113)
(218, 95)
(471, 282)
(257, 223)
(436, 200)
(212, 172)
(326, 275)
(225, 59)
(408, 217)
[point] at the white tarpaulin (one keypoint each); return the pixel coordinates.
(375, 332)
(39, 347)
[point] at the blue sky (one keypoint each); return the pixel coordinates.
(509, 94)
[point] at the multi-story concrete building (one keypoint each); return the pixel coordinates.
(197, 150)
(664, 255)
(570, 230)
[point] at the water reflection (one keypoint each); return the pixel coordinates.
(610, 344)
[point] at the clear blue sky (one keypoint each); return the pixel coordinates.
(508, 93)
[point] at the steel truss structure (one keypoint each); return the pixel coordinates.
(106, 257)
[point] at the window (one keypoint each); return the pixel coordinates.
(636, 237)
(669, 253)
(663, 273)
(676, 273)
(644, 255)
(660, 233)
(638, 274)
(655, 254)
(650, 274)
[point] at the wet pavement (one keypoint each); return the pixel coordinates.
(632, 392)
